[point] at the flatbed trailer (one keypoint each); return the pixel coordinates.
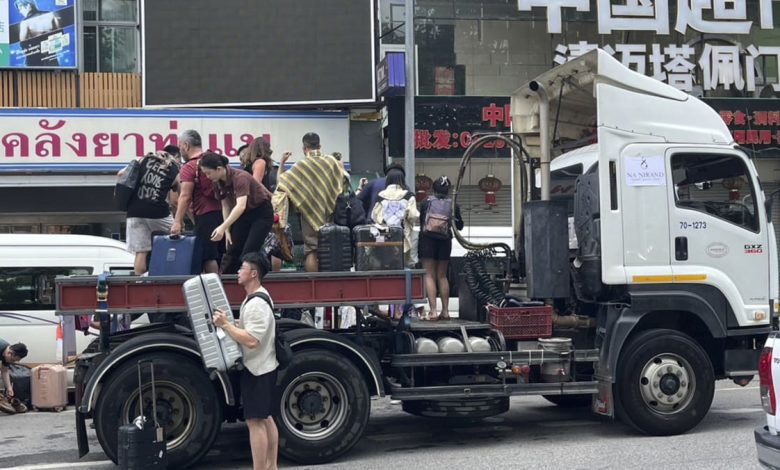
(376, 357)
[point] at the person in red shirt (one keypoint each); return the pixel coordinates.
(246, 209)
(197, 191)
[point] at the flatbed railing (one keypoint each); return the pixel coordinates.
(76, 295)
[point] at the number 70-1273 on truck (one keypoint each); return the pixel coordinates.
(670, 286)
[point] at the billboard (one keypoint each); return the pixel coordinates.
(38, 34)
(252, 53)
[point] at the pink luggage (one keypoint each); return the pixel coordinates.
(49, 387)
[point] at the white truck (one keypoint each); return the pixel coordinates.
(671, 287)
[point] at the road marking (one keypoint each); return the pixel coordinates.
(64, 465)
(737, 411)
(735, 388)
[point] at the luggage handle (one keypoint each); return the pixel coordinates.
(140, 391)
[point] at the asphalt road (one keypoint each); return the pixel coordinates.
(534, 434)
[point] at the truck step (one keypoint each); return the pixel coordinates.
(492, 390)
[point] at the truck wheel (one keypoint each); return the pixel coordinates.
(187, 406)
(570, 401)
(324, 407)
(470, 408)
(665, 383)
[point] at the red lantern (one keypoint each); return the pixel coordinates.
(490, 185)
(422, 184)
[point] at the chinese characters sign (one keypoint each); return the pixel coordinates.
(445, 127)
(754, 123)
(729, 66)
(38, 34)
(705, 16)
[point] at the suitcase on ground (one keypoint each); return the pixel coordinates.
(334, 249)
(203, 295)
(141, 444)
(21, 378)
(175, 256)
(378, 248)
(49, 387)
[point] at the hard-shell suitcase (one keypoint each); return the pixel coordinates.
(175, 256)
(378, 248)
(334, 251)
(49, 387)
(21, 378)
(203, 295)
(141, 444)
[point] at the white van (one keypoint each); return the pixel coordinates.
(28, 265)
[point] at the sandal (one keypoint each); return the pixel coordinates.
(6, 407)
(18, 406)
(442, 317)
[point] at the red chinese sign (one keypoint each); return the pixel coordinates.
(753, 122)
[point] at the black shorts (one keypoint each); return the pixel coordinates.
(434, 248)
(258, 393)
(204, 226)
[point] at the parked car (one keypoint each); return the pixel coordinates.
(768, 436)
(28, 265)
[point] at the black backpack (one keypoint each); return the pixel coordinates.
(127, 183)
(284, 352)
(349, 209)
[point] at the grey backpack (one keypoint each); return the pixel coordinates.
(437, 218)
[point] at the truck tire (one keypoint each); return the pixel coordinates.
(570, 401)
(187, 406)
(665, 383)
(470, 408)
(323, 409)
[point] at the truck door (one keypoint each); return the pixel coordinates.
(718, 229)
(646, 255)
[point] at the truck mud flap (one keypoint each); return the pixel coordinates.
(81, 433)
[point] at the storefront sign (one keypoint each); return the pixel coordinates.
(64, 139)
(38, 34)
(390, 75)
(754, 123)
(731, 66)
(445, 127)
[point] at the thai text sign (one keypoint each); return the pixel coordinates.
(445, 127)
(79, 139)
(38, 34)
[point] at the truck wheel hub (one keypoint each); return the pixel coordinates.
(176, 411)
(314, 405)
(667, 383)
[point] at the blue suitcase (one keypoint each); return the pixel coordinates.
(173, 256)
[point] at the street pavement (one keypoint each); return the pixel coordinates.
(534, 434)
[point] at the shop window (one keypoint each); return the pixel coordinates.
(111, 36)
(718, 185)
(32, 288)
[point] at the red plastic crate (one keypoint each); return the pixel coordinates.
(522, 322)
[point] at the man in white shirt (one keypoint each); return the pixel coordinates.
(255, 333)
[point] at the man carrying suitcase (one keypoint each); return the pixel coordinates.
(10, 354)
(197, 190)
(255, 334)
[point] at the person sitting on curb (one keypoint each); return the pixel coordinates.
(10, 354)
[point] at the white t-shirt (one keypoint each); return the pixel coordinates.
(257, 319)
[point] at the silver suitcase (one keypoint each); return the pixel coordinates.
(203, 295)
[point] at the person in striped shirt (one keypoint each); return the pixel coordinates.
(312, 186)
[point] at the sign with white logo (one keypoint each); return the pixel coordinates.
(645, 171)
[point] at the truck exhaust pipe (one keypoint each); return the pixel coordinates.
(544, 137)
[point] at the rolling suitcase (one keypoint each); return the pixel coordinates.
(175, 256)
(49, 387)
(378, 248)
(21, 378)
(334, 250)
(141, 444)
(203, 295)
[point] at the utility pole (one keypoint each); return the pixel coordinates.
(411, 68)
